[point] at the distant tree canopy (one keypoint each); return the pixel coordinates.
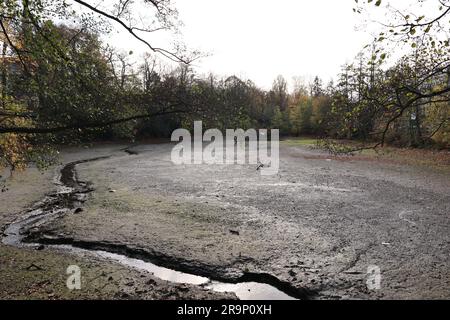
(60, 83)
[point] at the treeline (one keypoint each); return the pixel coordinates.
(62, 84)
(368, 103)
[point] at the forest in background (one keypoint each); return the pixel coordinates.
(60, 83)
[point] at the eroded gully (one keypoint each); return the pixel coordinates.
(69, 197)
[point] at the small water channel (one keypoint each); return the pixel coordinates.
(71, 193)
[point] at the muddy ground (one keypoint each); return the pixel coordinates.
(317, 225)
(40, 273)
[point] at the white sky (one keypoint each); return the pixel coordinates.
(261, 39)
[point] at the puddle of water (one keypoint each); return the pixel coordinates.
(243, 290)
(67, 184)
(250, 291)
(16, 231)
(13, 235)
(159, 272)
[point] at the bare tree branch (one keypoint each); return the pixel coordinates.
(170, 55)
(91, 125)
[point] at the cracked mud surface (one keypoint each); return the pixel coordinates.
(317, 225)
(39, 272)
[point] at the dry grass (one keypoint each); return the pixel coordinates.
(394, 155)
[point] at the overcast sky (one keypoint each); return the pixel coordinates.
(261, 39)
